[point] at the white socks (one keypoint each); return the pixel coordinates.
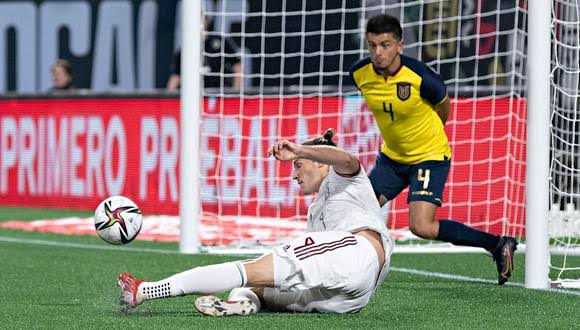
(200, 280)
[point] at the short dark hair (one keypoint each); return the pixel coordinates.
(384, 23)
(325, 140)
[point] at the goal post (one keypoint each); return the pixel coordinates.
(537, 164)
(191, 64)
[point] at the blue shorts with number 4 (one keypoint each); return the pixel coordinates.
(426, 180)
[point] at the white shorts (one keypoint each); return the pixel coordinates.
(332, 272)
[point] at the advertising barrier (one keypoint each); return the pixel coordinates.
(73, 153)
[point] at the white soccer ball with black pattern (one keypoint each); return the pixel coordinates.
(118, 220)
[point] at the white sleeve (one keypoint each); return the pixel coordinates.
(348, 178)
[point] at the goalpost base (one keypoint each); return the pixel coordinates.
(565, 284)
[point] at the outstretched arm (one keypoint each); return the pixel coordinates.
(342, 161)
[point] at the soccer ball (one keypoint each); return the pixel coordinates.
(118, 220)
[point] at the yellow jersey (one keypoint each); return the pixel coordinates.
(403, 105)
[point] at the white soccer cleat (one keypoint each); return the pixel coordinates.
(130, 295)
(214, 306)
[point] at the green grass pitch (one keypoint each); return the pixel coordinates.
(63, 282)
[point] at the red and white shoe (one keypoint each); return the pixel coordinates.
(214, 306)
(130, 295)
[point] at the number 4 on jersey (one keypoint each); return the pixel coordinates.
(389, 110)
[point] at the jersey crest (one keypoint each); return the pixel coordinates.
(403, 91)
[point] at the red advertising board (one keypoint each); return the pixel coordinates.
(72, 153)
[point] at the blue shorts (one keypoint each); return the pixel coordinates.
(426, 180)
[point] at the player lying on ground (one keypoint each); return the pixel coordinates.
(335, 267)
(410, 105)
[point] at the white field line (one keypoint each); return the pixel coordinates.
(162, 251)
(83, 246)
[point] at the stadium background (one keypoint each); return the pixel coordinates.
(127, 45)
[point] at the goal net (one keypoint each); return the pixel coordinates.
(565, 143)
(294, 58)
(280, 69)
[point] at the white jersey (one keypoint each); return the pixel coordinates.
(329, 269)
(348, 203)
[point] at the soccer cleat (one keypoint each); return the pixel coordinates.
(504, 258)
(130, 295)
(214, 306)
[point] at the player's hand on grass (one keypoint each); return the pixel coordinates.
(284, 150)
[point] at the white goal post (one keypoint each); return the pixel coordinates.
(510, 72)
(189, 201)
(537, 164)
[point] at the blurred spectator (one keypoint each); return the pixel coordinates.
(61, 76)
(216, 49)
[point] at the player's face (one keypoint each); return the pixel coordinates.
(308, 175)
(384, 49)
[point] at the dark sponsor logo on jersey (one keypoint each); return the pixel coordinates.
(403, 91)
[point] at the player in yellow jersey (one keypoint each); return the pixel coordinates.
(410, 104)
